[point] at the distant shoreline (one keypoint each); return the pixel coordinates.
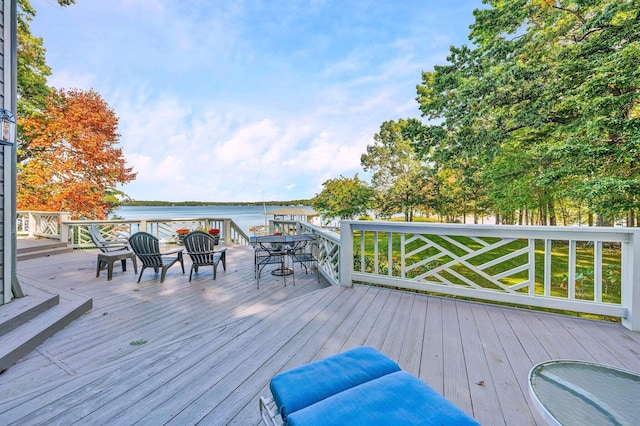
(216, 203)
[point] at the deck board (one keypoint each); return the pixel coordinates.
(409, 358)
(482, 381)
(456, 382)
(513, 401)
(508, 329)
(212, 346)
(432, 360)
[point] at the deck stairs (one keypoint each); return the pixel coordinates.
(28, 321)
(32, 249)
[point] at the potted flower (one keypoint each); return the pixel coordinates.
(182, 232)
(215, 233)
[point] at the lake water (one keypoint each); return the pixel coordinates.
(244, 216)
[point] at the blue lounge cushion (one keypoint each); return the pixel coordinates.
(394, 399)
(305, 385)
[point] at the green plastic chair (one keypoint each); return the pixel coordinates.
(147, 248)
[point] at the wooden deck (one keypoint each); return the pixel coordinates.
(202, 352)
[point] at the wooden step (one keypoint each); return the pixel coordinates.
(46, 252)
(35, 248)
(23, 309)
(25, 331)
(34, 245)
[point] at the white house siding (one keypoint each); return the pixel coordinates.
(4, 297)
(7, 154)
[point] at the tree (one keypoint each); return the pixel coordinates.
(553, 82)
(343, 198)
(74, 163)
(50, 170)
(399, 176)
(32, 68)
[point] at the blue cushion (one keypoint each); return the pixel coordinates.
(310, 383)
(394, 399)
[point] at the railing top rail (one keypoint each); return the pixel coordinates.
(610, 234)
(188, 219)
(332, 236)
(97, 222)
(40, 211)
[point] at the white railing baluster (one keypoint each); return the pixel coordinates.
(376, 263)
(597, 271)
(532, 267)
(403, 260)
(572, 270)
(390, 253)
(548, 244)
(362, 251)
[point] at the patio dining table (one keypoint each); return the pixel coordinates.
(253, 240)
(287, 241)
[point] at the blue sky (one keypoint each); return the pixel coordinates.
(248, 100)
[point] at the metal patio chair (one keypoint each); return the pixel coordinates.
(301, 250)
(200, 247)
(147, 248)
(270, 250)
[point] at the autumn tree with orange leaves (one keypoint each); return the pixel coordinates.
(70, 160)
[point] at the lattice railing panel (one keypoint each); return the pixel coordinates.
(456, 261)
(327, 250)
(47, 225)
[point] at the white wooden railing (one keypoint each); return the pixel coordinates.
(163, 229)
(500, 263)
(509, 264)
(57, 225)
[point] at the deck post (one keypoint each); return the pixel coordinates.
(33, 223)
(227, 231)
(64, 227)
(630, 291)
(345, 267)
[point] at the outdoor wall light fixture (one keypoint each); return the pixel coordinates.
(7, 127)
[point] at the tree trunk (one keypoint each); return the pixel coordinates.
(564, 214)
(579, 216)
(552, 214)
(603, 221)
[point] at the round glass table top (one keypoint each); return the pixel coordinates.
(582, 393)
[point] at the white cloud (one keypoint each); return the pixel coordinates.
(225, 152)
